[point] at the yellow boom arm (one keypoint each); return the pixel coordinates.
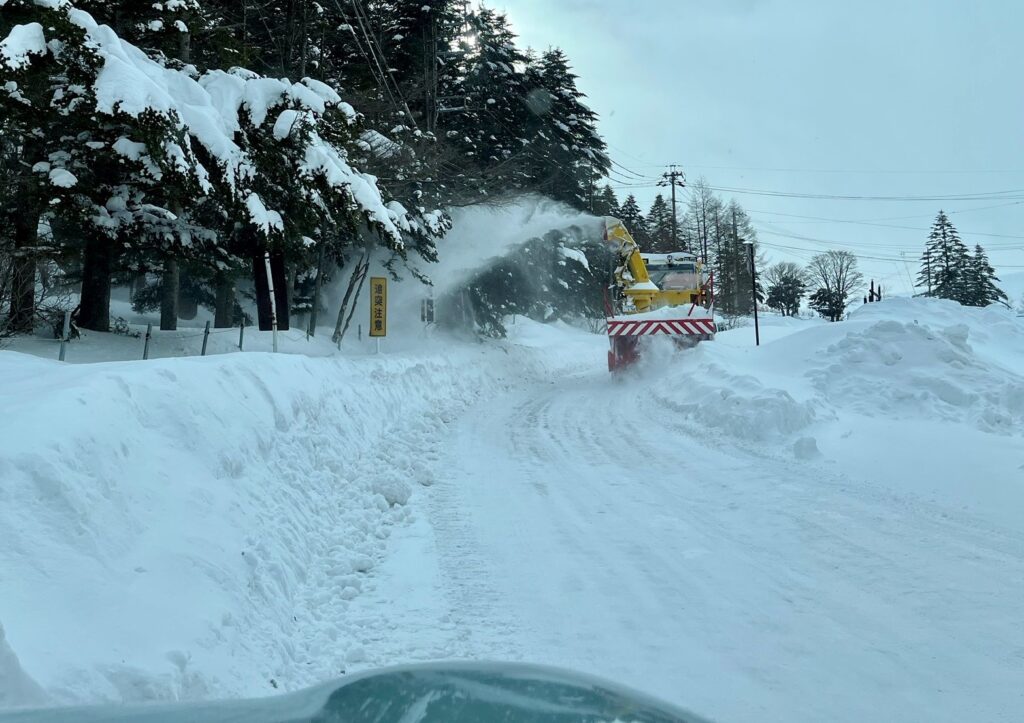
(629, 253)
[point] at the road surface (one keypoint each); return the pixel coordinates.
(576, 521)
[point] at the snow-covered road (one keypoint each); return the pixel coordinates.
(576, 524)
(824, 528)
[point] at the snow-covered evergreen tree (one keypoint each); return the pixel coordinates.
(946, 262)
(981, 282)
(172, 175)
(490, 134)
(567, 156)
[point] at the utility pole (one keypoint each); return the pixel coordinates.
(674, 178)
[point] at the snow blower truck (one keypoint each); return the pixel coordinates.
(654, 294)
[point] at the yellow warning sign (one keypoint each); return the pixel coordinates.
(378, 306)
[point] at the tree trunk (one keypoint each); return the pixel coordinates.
(358, 273)
(355, 301)
(314, 310)
(170, 285)
(94, 309)
(292, 271)
(224, 311)
(188, 304)
(23, 275)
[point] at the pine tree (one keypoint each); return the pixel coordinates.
(924, 276)
(451, 112)
(945, 262)
(491, 133)
(659, 225)
(981, 278)
(731, 260)
(567, 156)
(629, 213)
(606, 203)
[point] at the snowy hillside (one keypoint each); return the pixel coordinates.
(826, 527)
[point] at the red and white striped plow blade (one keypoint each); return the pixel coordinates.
(648, 327)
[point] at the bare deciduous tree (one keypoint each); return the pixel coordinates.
(834, 277)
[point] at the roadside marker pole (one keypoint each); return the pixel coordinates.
(206, 337)
(64, 338)
(149, 335)
(241, 334)
(273, 300)
(753, 291)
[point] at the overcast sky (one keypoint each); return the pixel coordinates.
(829, 97)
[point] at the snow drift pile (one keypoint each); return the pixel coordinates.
(164, 523)
(900, 360)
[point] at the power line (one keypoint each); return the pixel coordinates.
(628, 171)
(991, 195)
(833, 246)
(882, 225)
(922, 172)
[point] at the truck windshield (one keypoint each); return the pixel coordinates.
(679, 276)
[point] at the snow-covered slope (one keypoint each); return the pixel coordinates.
(924, 393)
(825, 527)
(197, 527)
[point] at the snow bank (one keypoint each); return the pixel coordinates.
(192, 528)
(903, 359)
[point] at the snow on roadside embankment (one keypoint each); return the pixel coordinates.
(188, 528)
(914, 393)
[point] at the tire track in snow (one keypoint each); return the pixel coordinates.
(726, 577)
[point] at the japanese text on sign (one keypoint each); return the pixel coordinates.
(378, 306)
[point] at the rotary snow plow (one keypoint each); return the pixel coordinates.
(654, 294)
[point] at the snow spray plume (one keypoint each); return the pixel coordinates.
(480, 236)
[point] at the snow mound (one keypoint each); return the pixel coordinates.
(903, 359)
(262, 488)
(737, 404)
(16, 687)
(908, 370)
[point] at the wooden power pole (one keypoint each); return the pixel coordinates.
(674, 178)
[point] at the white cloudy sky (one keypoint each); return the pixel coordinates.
(889, 98)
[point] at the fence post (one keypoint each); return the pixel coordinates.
(273, 299)
(206, 337)
(65, 334)
(241, 334)
(149, 335)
